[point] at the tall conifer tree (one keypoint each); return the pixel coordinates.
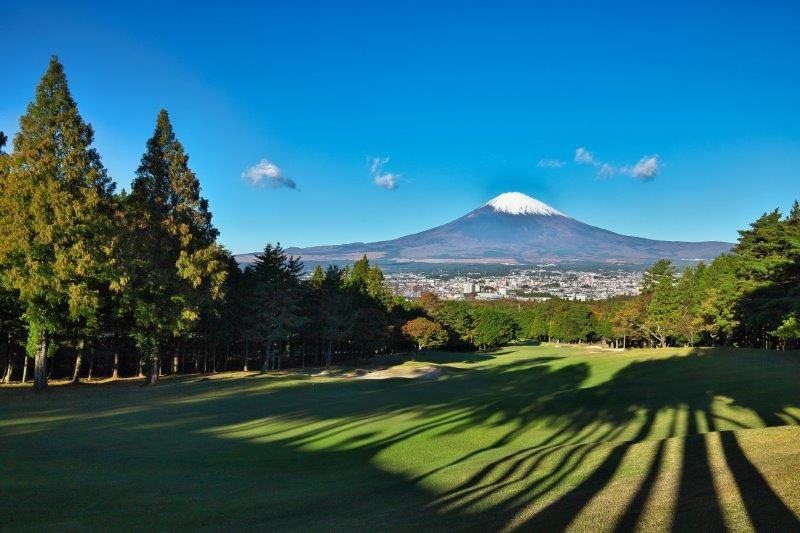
(174, 260)
(54, 218)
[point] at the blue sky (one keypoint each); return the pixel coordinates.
(466, 100)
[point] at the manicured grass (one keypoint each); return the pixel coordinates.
(528, 437)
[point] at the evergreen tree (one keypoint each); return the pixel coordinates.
(336, 311)
(55, 214)
(661, 269)
(688, 294)
(317, 278)
(662, 301)
(356, 278)
(278, 299)
(174, 263)
(718, 306)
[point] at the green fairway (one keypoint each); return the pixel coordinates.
(532, 437)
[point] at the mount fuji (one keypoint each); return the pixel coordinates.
(514, 228)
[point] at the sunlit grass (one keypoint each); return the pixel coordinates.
(535, 437)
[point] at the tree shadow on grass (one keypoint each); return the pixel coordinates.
(538, 448)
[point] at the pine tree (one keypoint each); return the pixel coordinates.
(174, 262)
(55, 217)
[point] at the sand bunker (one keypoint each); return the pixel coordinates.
(405, 372)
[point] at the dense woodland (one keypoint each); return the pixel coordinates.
(95, 282)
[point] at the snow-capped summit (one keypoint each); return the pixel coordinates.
(516, 203)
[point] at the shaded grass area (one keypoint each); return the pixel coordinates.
(528, 437)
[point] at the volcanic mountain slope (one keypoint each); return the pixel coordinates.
(514, 228)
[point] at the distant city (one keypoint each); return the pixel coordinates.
(529, 283)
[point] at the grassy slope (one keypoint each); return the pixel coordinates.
(530, 437)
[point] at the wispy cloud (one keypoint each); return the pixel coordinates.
(584, 157)
(606, 171)
(387, 180)
(646, 169)
(267, 175)
(550, 163)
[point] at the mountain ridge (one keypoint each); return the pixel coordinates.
(517, 229)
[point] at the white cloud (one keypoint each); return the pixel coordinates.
(646, 169)
(606, 171)
(550, 163)
(387, 180)
(584, 156)
(267, 175)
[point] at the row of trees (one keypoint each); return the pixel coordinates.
(81, 265)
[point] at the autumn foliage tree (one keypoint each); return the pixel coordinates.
(425, 333)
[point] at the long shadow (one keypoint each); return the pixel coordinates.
(766, 510)
(698, 507)
(278, 449)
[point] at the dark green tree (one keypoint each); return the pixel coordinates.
(662, 304)
(278, 298)
(494, 327)
(336, 311)
(174, 263)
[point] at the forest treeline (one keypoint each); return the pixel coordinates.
(95, 281)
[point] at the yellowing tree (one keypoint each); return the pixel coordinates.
(55, 216)
(426, 333)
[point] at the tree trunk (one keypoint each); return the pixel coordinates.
(153, 371)
(10, 364)
(141, 366)
(267, 359)
(246, 353)
(25, 368)
(115, 366)
(9, 368)
(40, 364)
(91, 366)
(175, 363)
(329, 354)
(76, 373)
